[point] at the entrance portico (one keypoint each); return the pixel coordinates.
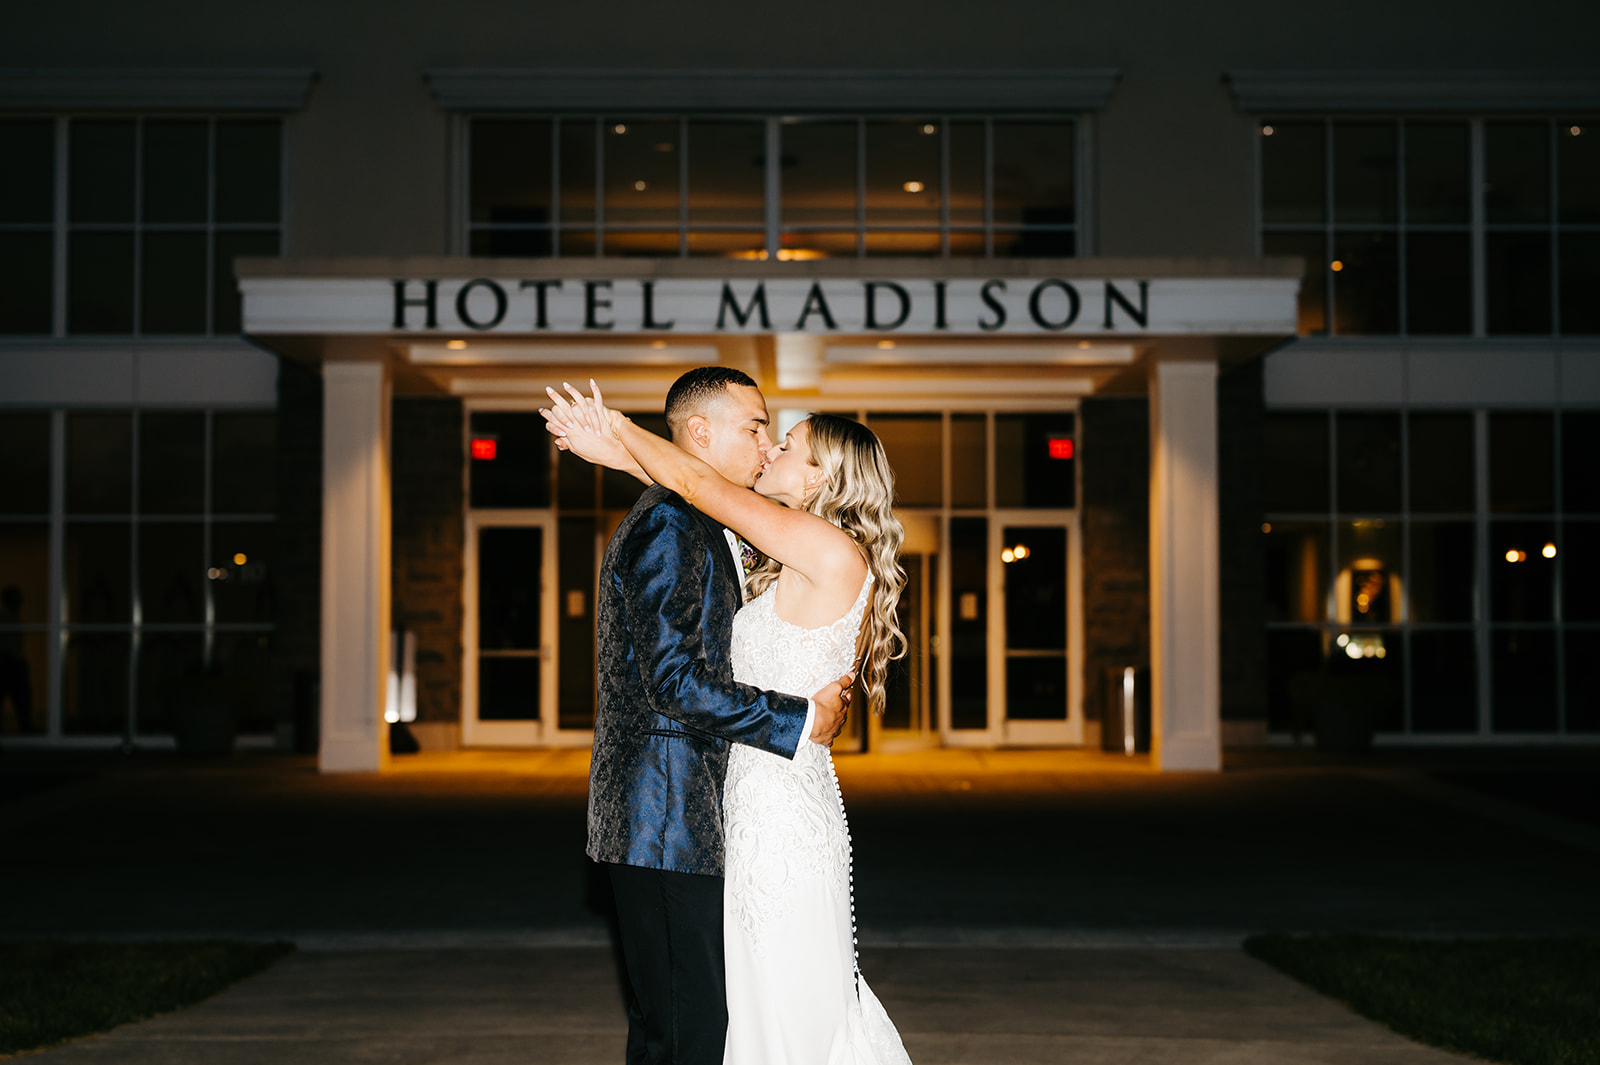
(945, 359)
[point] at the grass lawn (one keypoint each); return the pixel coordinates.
(1517, 1001)
(52, 992)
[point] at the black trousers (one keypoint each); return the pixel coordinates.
(671, 929)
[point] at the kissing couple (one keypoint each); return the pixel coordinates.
(713, 801)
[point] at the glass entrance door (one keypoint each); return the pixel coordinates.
(910, 716)
(1038, 675)
(511, 627)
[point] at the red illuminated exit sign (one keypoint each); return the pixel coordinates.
(483, 447)
(1060, 447)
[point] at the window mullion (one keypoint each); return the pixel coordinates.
(944, 189)
(138, 226)
(599, 186)
(861, 188)
(774, 187)
(58, 305)
(1329, 248)
(1480, 266)
(1402, 245)
(555, 187)
(211, 224)
(683, 186)
(988, 187)
(55, 613)
(1480, 442)
(1555, 232)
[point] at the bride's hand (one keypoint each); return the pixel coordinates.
(586, 427)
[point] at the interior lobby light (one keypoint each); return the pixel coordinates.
(240, 559)
(913, 186)
(1266, 526)
(929, 127)
(885, 345)
(1549, 551)
(638, 186)
(456, 345)
(1007, 555)
(1266, 131)
(1020, 551)
(1336, 265)
(1576, 131)
(1514, 555)
(620, 127)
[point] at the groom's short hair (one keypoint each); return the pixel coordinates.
(697, 389)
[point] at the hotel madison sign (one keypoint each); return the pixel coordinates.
(698, 306)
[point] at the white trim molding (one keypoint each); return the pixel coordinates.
(272, 89)
(1278, 91)
(472, 89)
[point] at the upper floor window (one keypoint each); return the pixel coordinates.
(1437, 226)
(785, 188)
(118, 226)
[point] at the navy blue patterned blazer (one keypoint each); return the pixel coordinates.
(668, 702)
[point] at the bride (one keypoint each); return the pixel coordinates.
(823, 601)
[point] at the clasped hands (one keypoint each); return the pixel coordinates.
(586, 426)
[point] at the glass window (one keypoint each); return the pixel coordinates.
(99, 463)
(510, 172)
(1518, 267)
(913, 446)
(1297, 570)
(98, 570)
(1580, 466)
(100, 282)
(172, 572)
(727, 174)
(1444, 681)
(1295, 679)
(819, 174)
(1578, 162)
(1438, 284)
(175, 164)
(1443, 461)
(1364, 172)
(243, 465)
(578, 147)
(641, 173)
(1580, 280)
(1295, 471)
(1368, 462)
(1443, 571)
(1523, 665)
(1293, 175)
(1033, 174)
(1583, 680)
(1521, 463)
(94, 689)
(27, 181)
(172, 463)
(967, 169)
(168, 664)
(25, 463)
(27, 276)
(903, 187)
(248, 171)
(1366, 283)
(1521, 572)
(575, 631)
(1438, 173)
(241, 570)
(1580, 570)
(172, 298)
(100, 168)
(243, 662)
(969, 460)
(969, 631)
(1312, 250)
(1516, 160)
(24, 574)
(1370, 582)
(1040, 449)
(518, 474)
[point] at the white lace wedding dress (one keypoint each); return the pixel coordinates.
(794, 994)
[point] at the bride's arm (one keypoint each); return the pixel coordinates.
(810, 546)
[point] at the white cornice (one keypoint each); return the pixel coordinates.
(1265, 92)
(274, 89)
(769, 91)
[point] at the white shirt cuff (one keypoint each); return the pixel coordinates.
(811, 715)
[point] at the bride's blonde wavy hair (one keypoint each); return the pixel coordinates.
(857, 495)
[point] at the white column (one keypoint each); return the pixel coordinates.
(1185, 600)
(355, 566)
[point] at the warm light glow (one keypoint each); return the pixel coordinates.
(1380, 652)
(785, 255)
(885, 345)
(1514, 555)
(1007, 555)
(619, 128)
(1266, 131)
(1266, 526)
(1576, 131)
(1336, 265)
(1060, 447)
(913, 186)
(638, 186)
(1353, 650)
(929, 127)
(216, 574)
(240, 559)
(456, 345)
(1344, 639)
(1020, 551)
(658, 344)
(663, 147)
(483, 448)
(1549, 551)
(1083, 345)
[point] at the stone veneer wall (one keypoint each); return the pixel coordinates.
(429, 466)
(1115, 438)
(297, 645)
(1240, 416)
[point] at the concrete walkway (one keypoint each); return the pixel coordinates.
(953, 1007)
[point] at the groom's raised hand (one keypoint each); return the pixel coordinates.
(832, 708)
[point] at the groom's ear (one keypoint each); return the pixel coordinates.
(698, 427)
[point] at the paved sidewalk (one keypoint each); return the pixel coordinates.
(953, 1007)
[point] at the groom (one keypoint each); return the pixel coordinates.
(669, 707)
